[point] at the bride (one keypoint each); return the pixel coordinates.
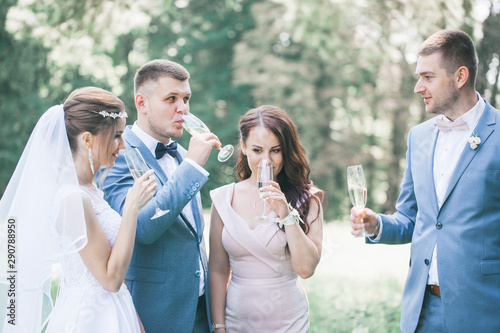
(62, 224)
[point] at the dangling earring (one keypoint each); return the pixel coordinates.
(91, 160)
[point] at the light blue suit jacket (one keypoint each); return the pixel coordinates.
(164, 272)
(466, 230)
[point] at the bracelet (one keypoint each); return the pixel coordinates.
(375, 230)
(292, 218)
(217, 326)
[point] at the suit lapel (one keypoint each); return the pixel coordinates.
(484, 130)
(422, 163)
(194, 208)
(135, 142)
(430, 171)
(197, 217)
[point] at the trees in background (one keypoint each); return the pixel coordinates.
(342, 69)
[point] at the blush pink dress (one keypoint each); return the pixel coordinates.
(264, 293)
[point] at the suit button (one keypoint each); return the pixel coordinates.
(197, 184)
(439, 225)
(197, 273)
(191, 192)
(188, 197)
(193, 188)
(426, 262)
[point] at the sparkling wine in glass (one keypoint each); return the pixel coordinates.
(265, 173)
(356, 186)
(138, 167)
(195, 126)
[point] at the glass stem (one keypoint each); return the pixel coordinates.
(264, 209)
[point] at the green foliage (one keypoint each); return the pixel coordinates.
(341, 69)
(24, 68)
(202, 37)
(489, 59)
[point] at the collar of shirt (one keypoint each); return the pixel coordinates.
(147, 139)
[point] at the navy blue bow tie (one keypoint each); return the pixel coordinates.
(161, 149)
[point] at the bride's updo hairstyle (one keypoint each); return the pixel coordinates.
(82, 113)
(293, 178)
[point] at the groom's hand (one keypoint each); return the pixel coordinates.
(363, 218)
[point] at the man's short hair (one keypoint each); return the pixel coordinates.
(456, 49)
(156, 69)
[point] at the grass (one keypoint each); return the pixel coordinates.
(357, 287)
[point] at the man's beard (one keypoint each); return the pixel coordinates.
(448, 102)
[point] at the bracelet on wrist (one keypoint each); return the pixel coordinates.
(292, 218)
(215, 327)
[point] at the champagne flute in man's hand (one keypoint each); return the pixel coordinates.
(195, 126)
(138, 167)
(356, 185)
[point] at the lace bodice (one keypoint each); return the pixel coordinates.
(74, 273)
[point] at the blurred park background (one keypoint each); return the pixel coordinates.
(343, 69)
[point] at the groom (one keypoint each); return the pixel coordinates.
(168, 274)
(449, 204)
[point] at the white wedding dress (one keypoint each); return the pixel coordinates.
(83, 305)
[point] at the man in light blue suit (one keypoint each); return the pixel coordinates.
(449, 202)
(168, 274)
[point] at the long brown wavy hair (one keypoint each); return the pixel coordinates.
(294, 176)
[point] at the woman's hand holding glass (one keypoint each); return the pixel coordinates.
(141, 192)
(271, 193)
(138, 168)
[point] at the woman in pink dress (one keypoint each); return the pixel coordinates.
(254, 267)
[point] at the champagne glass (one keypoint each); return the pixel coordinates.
(264, 173)
(356, 185)
(138, 167)
(195, 126)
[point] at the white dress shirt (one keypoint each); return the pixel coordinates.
(168, 164)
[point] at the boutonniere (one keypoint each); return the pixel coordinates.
(474, 141)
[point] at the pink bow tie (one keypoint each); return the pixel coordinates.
(446, 126)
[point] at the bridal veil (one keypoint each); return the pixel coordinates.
(41, 220)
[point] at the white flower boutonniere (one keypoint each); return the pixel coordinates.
(474, 141)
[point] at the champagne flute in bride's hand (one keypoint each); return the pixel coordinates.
(138, 167)
(195, 126)
(356, 185)
(264, 174)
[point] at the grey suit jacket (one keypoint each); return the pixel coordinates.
(164, 272)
